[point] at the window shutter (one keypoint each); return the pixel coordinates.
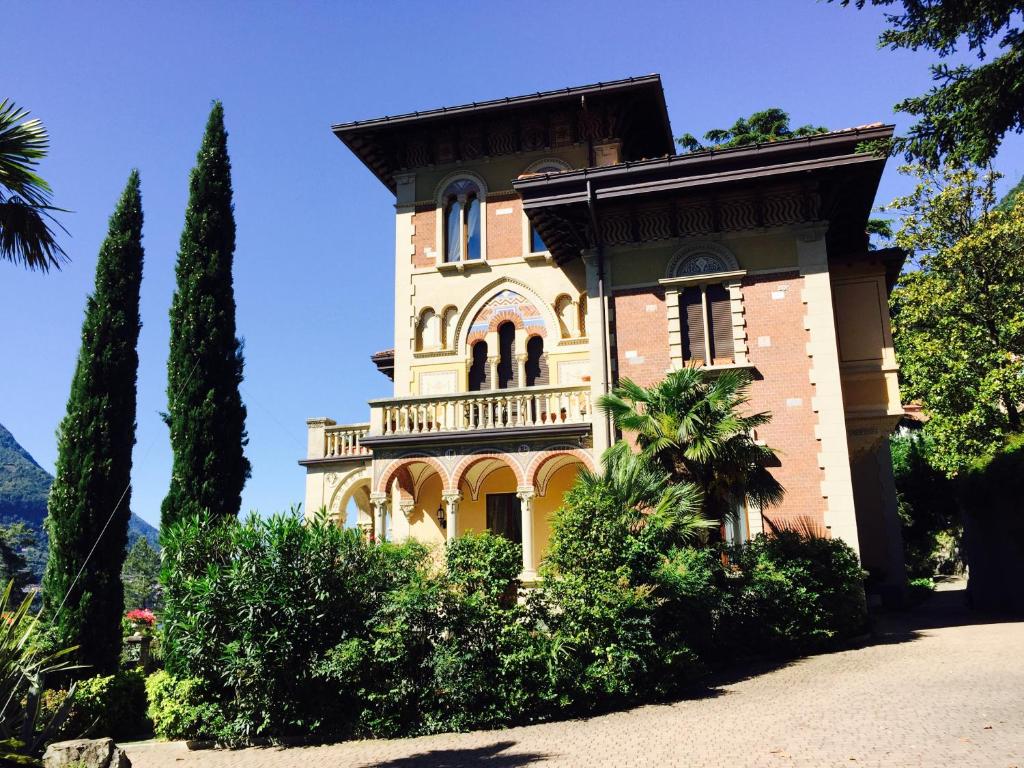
(720, 324)
(692, 325)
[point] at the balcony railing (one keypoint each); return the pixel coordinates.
(345, 440)
(495, 409)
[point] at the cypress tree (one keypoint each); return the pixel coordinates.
(204, 370)
(94, 461)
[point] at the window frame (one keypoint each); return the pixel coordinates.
(674, 287)
(461, 188)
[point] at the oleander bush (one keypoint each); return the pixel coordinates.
(281, 628)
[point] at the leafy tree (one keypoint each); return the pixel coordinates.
(205, 414)
(926, 501)
(958, 318)
(16, 541)
(26, 215)
(694, 426)
(762, 127)
(90, 498)
(140, 576)
(965, 116)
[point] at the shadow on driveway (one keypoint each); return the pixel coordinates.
(489, 757)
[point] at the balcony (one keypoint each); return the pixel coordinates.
(534, 411)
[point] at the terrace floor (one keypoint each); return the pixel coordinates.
(937, 686)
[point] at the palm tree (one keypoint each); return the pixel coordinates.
(692, 423)
(648, 495)
(26, 236)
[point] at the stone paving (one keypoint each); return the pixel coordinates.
(936, 687)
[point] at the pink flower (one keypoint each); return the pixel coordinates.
(141, 616)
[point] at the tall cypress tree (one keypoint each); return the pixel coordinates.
(204, 370)
(90, 498)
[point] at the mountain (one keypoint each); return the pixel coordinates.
(24, 486)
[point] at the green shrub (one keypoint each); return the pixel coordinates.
(109, 705)
(179, 710)
(792, 594)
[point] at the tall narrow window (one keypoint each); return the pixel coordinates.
(536, 242)
(453, 230)
(478, 372)
(472, 228)
(506, 355)
(719, 324)
(691, 315)
(536, 363)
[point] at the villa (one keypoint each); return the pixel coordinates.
(548, 246)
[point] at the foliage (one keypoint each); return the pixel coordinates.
(23, 670)
(958, 318)
(693, 424)
(768, 125)
(140, 576)
(179, 709)
(204, 369)
(16, 540)
(792, 593)
(102, 706)
(26, 212)
(996, 481)
(965, 116)
(90, 497)
(926, 501)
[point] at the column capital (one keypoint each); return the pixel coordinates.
(526, 492)
(406, 506)
(379, 497)
(452, 496)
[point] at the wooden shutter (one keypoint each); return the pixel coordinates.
(720, 324)
(691, 321)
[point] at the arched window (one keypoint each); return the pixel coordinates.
(460, 210)
(536, 242)
(506, 355)
(536, 363)
(478, 370)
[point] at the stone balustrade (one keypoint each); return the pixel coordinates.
(345, 440)
(495, 409)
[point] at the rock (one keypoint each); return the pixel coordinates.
(85, 753)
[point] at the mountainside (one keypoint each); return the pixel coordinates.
(23, 489)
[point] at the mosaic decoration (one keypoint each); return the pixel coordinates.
(506, 306)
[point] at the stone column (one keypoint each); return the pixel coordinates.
(492, 365)
(521, 370)
(526, 494)
(380, 503)
(451, 502)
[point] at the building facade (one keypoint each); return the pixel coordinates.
(550, 245)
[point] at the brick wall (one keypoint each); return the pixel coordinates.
(777, 343)
(640, 349)
(424, 236)
(504, 230)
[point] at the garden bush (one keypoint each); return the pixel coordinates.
(106, 705)
(179, 709)
(281, 628)
(790, 594)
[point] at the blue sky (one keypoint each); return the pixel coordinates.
(130, 86)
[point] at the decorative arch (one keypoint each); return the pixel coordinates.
(449, 317)
(547, 165)
(428, 335)
(412, 480)
(507, 306)
(545, 465)
(700, 259)
(356, 482)
(467, 319)
(454, 183)
(486, 462)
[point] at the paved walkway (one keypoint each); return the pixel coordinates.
(939, 687)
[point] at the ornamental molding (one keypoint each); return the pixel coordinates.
(701, 258)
